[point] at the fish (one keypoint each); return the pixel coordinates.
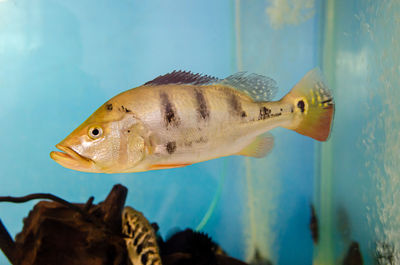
(183, 118)
(140, 238)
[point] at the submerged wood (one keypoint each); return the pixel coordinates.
(64, 233)
(59, 232)
(7, 244)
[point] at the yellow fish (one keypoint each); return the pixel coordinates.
(182, 118)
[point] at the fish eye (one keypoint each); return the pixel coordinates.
(95, 132)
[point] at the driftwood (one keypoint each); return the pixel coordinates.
(194, 248)
(7, 244)
(59, 232)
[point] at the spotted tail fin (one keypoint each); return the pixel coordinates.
(313, 106)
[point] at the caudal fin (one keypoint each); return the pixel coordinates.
(313, 106)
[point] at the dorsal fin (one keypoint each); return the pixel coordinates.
(258, 87)
(182, 77)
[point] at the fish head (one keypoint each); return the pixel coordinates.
(109, 141)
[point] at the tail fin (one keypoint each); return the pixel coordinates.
(312, 105)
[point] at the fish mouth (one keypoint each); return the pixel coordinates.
(69, 158)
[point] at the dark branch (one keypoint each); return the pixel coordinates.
(88, 204)
(44, 196)
(112, 207)
(7, 244)
(104, 220)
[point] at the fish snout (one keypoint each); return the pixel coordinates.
(69, 158)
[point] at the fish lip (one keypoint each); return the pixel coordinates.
(69, 158)
(71, 153)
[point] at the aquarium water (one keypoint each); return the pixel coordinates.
(60, 60)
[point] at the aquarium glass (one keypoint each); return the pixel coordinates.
(61, 60)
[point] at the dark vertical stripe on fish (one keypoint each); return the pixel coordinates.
(171, 147)
(236, 106)
(202, 105)
(170, 115)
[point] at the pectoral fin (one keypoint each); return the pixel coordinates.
(260, 146)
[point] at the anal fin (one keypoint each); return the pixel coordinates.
(259, 147)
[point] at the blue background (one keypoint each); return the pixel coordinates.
(60, 60)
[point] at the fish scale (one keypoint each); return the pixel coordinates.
(229, 111)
